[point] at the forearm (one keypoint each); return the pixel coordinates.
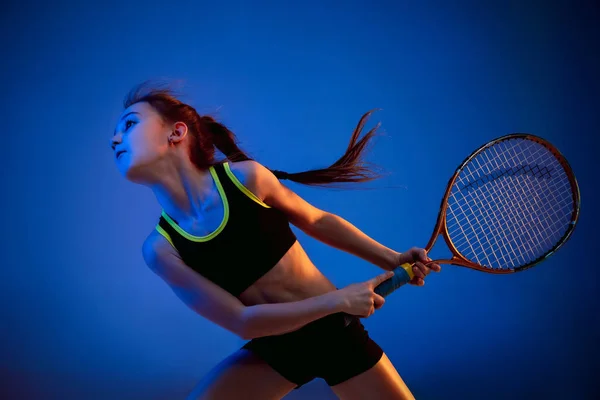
(341, 234)
(275, 319)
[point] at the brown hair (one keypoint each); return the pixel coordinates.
(208, 134)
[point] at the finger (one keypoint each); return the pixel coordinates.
(417, 281)
(378, 301)
(435, 267)
(381, 278)
(425, 268)
(419, 270)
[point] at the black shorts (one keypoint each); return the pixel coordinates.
(329, 348)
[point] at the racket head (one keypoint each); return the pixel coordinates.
(509, 205)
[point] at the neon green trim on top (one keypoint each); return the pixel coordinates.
(216, 231)
(165, 234)
(241, 186)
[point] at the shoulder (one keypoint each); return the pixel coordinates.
(156, 249)
(249, 169)
(253, 175)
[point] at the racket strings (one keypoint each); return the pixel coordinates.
(520, 213)
(494, 234)
(509, 205)
(562, 205)
(517, 214)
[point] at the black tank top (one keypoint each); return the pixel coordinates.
(250, 240)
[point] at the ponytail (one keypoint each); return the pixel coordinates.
(350, 167)
(223, 139)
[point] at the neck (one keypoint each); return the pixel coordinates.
(182, 190)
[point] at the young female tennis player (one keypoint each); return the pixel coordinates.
(223, 244)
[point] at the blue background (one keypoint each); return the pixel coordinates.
(83, 317)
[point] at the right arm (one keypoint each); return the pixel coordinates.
(219, 306)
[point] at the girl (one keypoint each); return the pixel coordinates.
(223, 244)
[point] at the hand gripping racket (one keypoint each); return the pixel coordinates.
(510, 205)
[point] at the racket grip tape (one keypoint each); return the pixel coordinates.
(402, 275)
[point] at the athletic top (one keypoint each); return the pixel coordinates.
(250, 240)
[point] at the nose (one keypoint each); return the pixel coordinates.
(115, 140)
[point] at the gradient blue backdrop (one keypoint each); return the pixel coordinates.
(82, 317)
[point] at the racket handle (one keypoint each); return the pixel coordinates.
(402, 275)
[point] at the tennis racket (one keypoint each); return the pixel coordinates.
(510, 205)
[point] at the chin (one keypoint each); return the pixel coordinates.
(137, 174)
(140, 170)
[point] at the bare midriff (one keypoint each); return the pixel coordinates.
(293, 278)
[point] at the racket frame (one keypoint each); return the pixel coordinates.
(441, 227)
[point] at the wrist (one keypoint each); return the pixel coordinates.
(404, 258)
(392, 260)
(336, 303)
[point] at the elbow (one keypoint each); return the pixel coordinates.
(316, 225)
(244, 327)
(239, 327)
(253, 323)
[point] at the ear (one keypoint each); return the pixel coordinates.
(178, 132)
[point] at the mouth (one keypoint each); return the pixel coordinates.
(119, 153)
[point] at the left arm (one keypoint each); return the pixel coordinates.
(337, 232)
(321, 225)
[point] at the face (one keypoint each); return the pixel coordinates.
(140, 141)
